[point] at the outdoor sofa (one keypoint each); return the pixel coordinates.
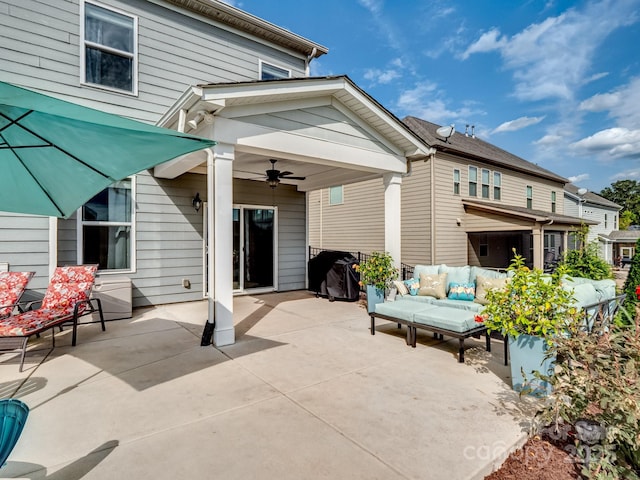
(447, 301)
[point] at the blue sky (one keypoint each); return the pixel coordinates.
(555, 82)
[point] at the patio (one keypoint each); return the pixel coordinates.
(306, 392)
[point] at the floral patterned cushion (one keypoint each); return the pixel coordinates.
(12, 285)
(28, 323)
(68, 286)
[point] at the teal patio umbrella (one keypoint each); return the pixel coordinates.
(56, 155)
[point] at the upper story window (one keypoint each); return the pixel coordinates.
(485, 183)
(606, 221)
(456, 181)
(529, 196)
(553, 202)
(270, 72)
(473, 181)
(106, 228)
(336, 195)
(109, 48)
(615, 221)
(497, 185)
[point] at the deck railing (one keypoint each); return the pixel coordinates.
(406, 271)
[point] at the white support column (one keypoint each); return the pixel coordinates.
(392, 213)
(221, 182)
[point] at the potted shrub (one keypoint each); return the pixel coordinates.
(376, 274)
(532, 309)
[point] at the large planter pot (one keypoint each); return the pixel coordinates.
(527, 354)
(374, 296)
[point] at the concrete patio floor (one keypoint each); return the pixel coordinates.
(305, 393)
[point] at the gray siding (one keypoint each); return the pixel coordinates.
(292, 246)
(24, 244)
(174, 51)
(416, 215)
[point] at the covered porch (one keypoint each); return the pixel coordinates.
(494, 230)
(288, 135)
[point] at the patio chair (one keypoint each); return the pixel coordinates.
(12, 286)
(67, 299)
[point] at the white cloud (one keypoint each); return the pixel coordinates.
(549, 140)
(382, 24)
(611, 143)
(579, 178)
(425, 101)
(374, 6)
(377, 76)
(552, 58)
(621, 104)
(627, 175)
(518, 124)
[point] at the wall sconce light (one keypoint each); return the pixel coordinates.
(200, 115)
(196, 202)
(458, 221)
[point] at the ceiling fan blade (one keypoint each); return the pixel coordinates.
(294, 178)
(285, 173)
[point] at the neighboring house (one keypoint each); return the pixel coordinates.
(468, 203)
(207, 68)
(622, 244)
(581, 203)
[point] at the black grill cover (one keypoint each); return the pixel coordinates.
(331, 274)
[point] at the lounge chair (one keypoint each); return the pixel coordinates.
(67, 299)
(12, 286)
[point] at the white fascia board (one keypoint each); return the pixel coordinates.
(262, 140)
(275, 107)
(287, 87)
(182, 164)
(185, 102)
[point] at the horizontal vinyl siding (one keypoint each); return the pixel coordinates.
(24, 245)
(68, 241)
(174, 52)
(292, 240)
(451, 240)
(314, 213)
(416, 215)
(168, 240)
(358, 223)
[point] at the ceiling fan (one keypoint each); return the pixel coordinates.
(274, 176)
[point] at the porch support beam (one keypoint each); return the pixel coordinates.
(538, 246)
(220, 243)
(392, 213)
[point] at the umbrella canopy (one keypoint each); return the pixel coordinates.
(56, 155)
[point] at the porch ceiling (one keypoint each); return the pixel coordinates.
(324, 129)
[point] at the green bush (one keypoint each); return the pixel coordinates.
(586, 262)
(632, 281)
(597, 378)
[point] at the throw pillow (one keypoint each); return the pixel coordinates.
(484, 284)
(401, 287)
(412, 285)
(432, 285)
(462, 291)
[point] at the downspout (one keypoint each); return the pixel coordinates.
(310, 57)
(432, 208)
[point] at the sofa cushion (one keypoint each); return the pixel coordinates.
(583, 294)
(402, 309)
(454, 319)
(486, 273)
(460, 304)
(428, 269)
(413, 285)
(401, 287)
(605, 288)
(456, 274)
(483, 285)
(420, 299)
(462, 291)
(433, 285)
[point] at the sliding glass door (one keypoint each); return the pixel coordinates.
(254, 241)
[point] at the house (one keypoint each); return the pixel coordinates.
(581, 203)
(220, 222)
(470, 202)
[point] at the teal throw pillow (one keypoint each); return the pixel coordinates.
(413, 285)
(462, 291)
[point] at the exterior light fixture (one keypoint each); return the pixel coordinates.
(197, 202)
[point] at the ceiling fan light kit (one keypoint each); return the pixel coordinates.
(274, 176)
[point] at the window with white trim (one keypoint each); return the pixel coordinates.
(485, 183)
(553, 202)
(456, 181)
(473, 181)
(529, 196)
(606, 221)
(271, 72)
(497, 185)
(336, 195)
(109, 48)
(106, 228)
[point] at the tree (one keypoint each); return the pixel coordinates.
(626, 218)
(625, 193)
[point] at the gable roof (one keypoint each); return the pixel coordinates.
(591, 197)
(623, 236)
(475, 149)
(245, 22)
